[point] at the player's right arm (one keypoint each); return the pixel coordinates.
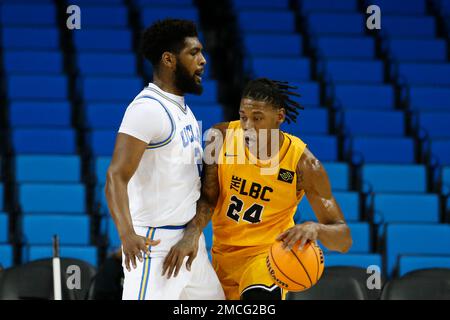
(188, 245)
(144, 122)
(127, 154)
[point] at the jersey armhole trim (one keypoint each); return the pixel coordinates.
(172, 127)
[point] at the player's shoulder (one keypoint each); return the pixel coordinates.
(147, 98)
(222, 126)
(296, 142)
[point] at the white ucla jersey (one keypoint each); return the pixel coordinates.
(166, 185)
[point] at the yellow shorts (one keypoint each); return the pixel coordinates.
(238, 274)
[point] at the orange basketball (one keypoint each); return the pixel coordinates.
(295, 270)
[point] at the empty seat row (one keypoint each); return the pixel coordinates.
(52, 168)
(355, 23)
(429, 74)
(416, 50)
(356, 71)
(4, 227)
(381, 150)
(69, 198)
(83, 252)
(415, 239)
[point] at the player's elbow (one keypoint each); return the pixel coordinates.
(113, 179)
(347, 240)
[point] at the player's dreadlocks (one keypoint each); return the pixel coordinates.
(275, 92)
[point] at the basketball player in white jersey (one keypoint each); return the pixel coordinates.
(153, 182)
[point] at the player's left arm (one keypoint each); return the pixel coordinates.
(331, 229)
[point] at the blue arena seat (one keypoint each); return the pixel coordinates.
(26, 114)
(276, 68)
(325, 148)
(356, 47)
(424, 73)
(336, 23)
(208, 232)
(400, 26)
(6, 255)
(4, 227)
(441, 150)
(107, 15)
(414, 7)
(209, 95)
(33, 61)
(39, 229)
(103, 2)
(48, 168)
(101, 167)
(52, 198)
(339, 175)
(408, 263)
(100, 63)
(103, 39)
(104, 115)
(384, 150)
(178, 3)
(406, 208)
(85, 253)
(149, 15)
(424, 50)
(310, 94)
(394, 178)
(443, 6)
(44, 141)
(285, 45)
(208, 115)
(28, 14)
(361, 237)
(29, 38)
(417, 239)
(2, 191)
(51, 87)
(356, 96)
(103, 89)
(260, 4)
(445, 178)
(435, 124)
(256, 21)
(307, 6)
(309, 121)
(429, 98)
(102, 142)
(348, 202)
(113, 235)
(379, 123)
(360, 71)
(353, 260)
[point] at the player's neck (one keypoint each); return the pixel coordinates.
(265, 153)
(166, 85)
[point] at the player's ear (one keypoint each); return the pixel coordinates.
(169, 60)
(281, 115)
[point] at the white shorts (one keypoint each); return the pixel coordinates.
(147, 283)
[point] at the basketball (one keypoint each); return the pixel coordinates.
(295, 270)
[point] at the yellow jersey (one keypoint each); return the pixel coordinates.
(254, 205)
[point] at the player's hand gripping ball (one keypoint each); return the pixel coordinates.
(295, 270)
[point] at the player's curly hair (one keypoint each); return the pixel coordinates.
(165, 35)
(277, 93)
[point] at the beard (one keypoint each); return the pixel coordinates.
(186, 82)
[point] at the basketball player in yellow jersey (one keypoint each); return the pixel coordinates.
(252, 199)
